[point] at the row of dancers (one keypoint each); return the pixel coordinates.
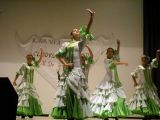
(73, 101)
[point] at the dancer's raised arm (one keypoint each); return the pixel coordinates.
(90, 20)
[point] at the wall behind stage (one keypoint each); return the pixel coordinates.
(123, 18)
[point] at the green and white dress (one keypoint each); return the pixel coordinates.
(145, 100)
(72, 97)
(154, 63)
(108, 100)
(28, 99)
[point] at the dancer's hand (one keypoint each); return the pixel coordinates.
(125, 63)
(91, 12)
(69, 65)
(14, 83)
(118, 42)
(135, 84)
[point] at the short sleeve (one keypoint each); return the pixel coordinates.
(116, 55)
(89, 59)
(154, 63)
(36, 64)
(135, 72)
(62, 51)
(21, 70)
(84, 34)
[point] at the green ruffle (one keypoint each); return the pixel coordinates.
(33, 109)
(72, 110)
(35, 63)
(116, 55)
(119, 109)
(155, 63)
(59, 113)
(89, 59)
(61, 52)
(151, 109)
(83, 33)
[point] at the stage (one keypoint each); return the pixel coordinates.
(127, 118)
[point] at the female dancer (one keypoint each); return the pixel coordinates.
(72, 100)
(145, 100)
(108, 100)
(28, 100)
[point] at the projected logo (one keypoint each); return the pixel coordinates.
(50, 65)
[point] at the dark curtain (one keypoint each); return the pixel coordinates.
(151, 21)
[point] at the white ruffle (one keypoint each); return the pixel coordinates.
(105, 95)
(98, 109)
(144, 104)
(106, 84)
(108, 107)
(59, 102)
(61, 92)
(24, 91)
(121, 93)
(112, 98)
(140, 96)
(87, 110)
(23, 103)
(77, 82)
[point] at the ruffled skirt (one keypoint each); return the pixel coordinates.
(109, 100)
(59, 110)
(72, 99)
(144, 102)
(28, 100)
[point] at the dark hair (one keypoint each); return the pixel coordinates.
(109, 49)
(71, 34)
(158, 51)
(146, 57)
(29, 55)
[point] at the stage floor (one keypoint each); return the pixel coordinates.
(49, 118)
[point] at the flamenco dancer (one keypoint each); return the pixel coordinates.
(145, 99)
(72, 99)
(28, 99)
(108, 100)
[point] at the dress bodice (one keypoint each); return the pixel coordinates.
(27, 71)
(76, 58)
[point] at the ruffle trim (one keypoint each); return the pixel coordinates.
(83, 32)
(25, 91)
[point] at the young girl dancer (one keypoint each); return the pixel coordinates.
(108, 100)
(28, 100)
(145, 100)
(72, 100)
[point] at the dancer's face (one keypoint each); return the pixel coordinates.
(29, 59)
(75, 34)
(110, 53)
(144, 61)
